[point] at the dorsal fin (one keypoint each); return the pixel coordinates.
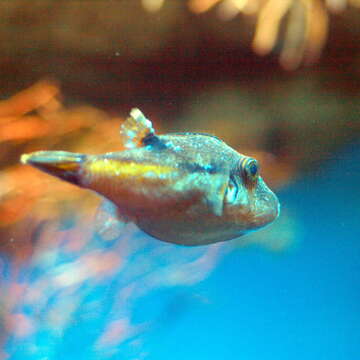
(135, 129)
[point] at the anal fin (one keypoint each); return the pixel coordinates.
(109, 223)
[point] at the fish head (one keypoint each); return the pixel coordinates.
(249, 204)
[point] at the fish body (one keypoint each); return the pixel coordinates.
(184, 188)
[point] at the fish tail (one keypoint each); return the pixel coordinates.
(62, 164)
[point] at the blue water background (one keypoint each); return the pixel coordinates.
(256, 305)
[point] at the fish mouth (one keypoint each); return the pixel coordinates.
(268, 210)
(62, 164)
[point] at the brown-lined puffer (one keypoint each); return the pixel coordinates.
(184, 188)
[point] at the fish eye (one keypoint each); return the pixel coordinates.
(250, 170)
(231, 191)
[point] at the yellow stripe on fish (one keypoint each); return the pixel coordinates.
(109, 167)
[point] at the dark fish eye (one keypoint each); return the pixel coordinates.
(250, 170)
(253, 168)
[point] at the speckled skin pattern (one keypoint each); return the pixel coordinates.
(175, 187)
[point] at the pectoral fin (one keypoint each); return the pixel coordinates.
(216, 191)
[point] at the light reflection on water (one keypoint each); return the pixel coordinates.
(90, 290)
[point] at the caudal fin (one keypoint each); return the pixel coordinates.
(62, 164)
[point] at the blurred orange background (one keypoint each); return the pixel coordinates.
(278, 80)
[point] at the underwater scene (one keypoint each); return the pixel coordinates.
(180, 180)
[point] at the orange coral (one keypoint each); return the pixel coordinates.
(306, 26)
(27, 196)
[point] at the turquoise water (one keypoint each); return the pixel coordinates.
(304, 304)
(167, 302)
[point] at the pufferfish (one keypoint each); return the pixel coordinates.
(183, 188)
